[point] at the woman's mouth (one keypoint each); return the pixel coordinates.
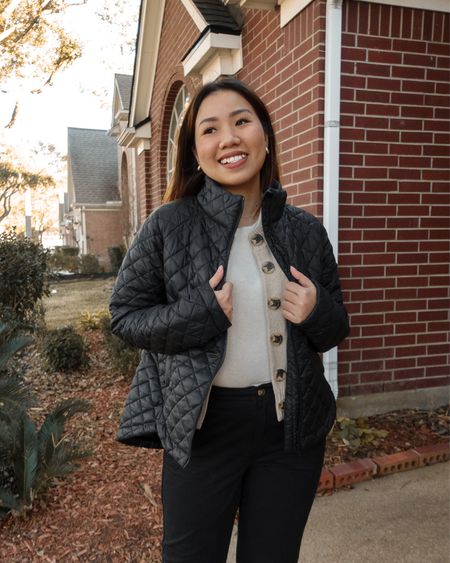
(233, 161)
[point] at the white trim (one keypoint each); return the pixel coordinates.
(215, 54)
(195, 14)
(433, 5)
(142, 145)
(253, 4)
(331, 150)
(108, 206)
(130, 137)
(152, 14)
(290, 8)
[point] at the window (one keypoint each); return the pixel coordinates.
(179, 106)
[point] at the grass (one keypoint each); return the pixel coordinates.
(70, 299)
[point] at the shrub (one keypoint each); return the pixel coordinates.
(23, 280)
(125, 358)
(30, 459)
(64, 258)
(69, 250)
(89, 264)
(91, 321)
(116, 255)
(64, 349)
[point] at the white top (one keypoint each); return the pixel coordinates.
(246, 360)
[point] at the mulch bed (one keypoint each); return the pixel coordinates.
(109, 510)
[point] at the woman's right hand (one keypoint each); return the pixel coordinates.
(225, 295)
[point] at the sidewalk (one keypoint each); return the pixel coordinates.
(400, 518)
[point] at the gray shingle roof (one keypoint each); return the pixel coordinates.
(92, 155)
(218, 16)
(124, 82)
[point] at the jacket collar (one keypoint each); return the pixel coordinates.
(223, 206)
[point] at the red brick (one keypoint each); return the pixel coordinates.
(326, 481)
(400, 363)
(383, 84)
(407, 46)
(393, 463)
(419, 60)
(409, 350)
(417, 86)
(417, 73)
(404, 98)
(405, 149)
(434, 453)
(353, 472)
(369, 122)
(369, 69)
(376, 43)
(363, 95)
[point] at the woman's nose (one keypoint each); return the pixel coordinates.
(230, 138)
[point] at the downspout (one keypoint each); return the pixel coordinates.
(331, 150)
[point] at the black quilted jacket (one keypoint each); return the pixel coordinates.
(163, 304)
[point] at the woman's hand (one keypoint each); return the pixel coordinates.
(299, 298)
(225, 295)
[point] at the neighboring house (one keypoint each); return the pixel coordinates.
(126, 157)
(359, 96)
(93, 218)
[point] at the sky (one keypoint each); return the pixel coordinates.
(81, 95)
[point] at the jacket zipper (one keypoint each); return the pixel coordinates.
(225, 266)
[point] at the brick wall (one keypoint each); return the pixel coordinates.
(393, 251)
(102, 232)
(169, 78)
(286, 68)
(394, 196)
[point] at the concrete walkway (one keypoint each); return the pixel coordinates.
(400, 518)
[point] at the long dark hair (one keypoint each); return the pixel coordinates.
(186, 179)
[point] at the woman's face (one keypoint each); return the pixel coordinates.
(230, 143)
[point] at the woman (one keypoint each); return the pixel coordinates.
(231, 294)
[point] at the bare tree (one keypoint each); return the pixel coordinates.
(14, 180)
(33, 43)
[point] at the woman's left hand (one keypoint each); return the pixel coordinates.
(299, 298)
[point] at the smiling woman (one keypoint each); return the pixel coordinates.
(231, 294)
(230, 146)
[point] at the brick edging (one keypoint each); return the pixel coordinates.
(359, 470)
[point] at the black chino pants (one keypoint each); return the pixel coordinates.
(238, 463)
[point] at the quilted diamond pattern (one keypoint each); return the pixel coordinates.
(163, 304)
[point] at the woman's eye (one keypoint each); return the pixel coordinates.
(242, 121)
(209, 130)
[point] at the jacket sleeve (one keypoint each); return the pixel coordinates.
(140, 314)
(327, 324)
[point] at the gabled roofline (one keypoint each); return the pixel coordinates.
(147, 44)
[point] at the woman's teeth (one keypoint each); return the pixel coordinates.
(231, 159)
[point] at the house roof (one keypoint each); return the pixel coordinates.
(217, 16)
(92, 157)
(124, 82)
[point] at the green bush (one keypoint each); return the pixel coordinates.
(30, 459)
(69, 250)
(89, 264)
(64, 349)
(23, 280)
(116, 255)
(125, 358)
(65, 258)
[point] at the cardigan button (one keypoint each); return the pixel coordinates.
(276, 339)
(281, 405)
(280, 375)
(257, 239)
(268, 267)
(273, 303)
